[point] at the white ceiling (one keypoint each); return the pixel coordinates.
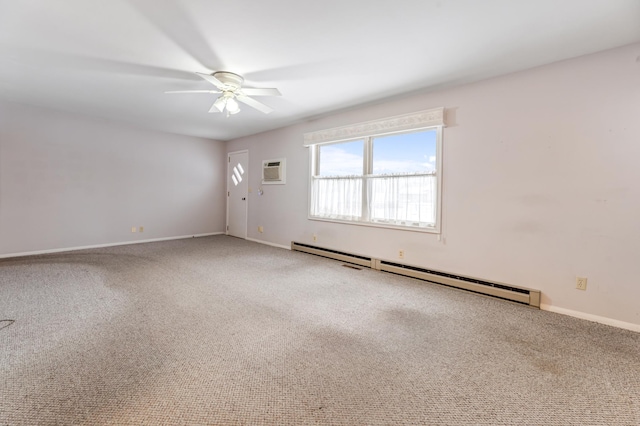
(115, 59)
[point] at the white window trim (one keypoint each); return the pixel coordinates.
(421, 120)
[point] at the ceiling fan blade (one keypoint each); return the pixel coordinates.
(192, 91)
(175, 21)
(254, 104)
(66, 61)
(211, 79)
(256, 91)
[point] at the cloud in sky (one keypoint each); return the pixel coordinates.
(336, 161)
(401, 166)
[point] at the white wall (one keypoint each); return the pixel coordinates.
(541, 184)
(68, 181)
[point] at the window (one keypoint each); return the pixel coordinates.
(389, 179)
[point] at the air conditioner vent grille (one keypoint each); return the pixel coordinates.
(271, 173)
(274, 171)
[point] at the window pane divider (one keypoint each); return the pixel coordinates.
(401, 175)
(338, 177)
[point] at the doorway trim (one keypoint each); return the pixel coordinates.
(246, 227)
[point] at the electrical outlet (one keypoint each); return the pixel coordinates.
(134, 229)
(401, 254)
(260, 229)
(141, 229)
(315, 237)
(581, 283)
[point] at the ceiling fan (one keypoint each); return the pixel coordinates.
(230, 86)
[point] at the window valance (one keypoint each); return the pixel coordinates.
(416, 120)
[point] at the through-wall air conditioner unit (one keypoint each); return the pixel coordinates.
(274, 172)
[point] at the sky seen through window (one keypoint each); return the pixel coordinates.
(393, 154)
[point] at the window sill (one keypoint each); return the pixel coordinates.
(426, 230)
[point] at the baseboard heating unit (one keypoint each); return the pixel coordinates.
(523, 295)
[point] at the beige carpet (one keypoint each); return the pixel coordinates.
(218, 330)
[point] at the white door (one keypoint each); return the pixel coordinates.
(237, 191)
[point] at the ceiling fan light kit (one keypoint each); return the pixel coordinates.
(230, 86)
(226, 101)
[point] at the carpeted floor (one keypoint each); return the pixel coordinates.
(218, 330)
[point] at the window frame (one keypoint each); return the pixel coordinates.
(314, 167)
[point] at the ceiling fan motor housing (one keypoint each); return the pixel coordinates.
(234, 81)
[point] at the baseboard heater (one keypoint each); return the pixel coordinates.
(334, 254)
(523, 295)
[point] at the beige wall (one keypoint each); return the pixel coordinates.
(541, 184)
(68, 181)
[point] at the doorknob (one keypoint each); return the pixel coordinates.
(244, 198)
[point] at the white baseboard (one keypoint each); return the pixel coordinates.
(269, 244)
(590, 317)
(124, 243)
